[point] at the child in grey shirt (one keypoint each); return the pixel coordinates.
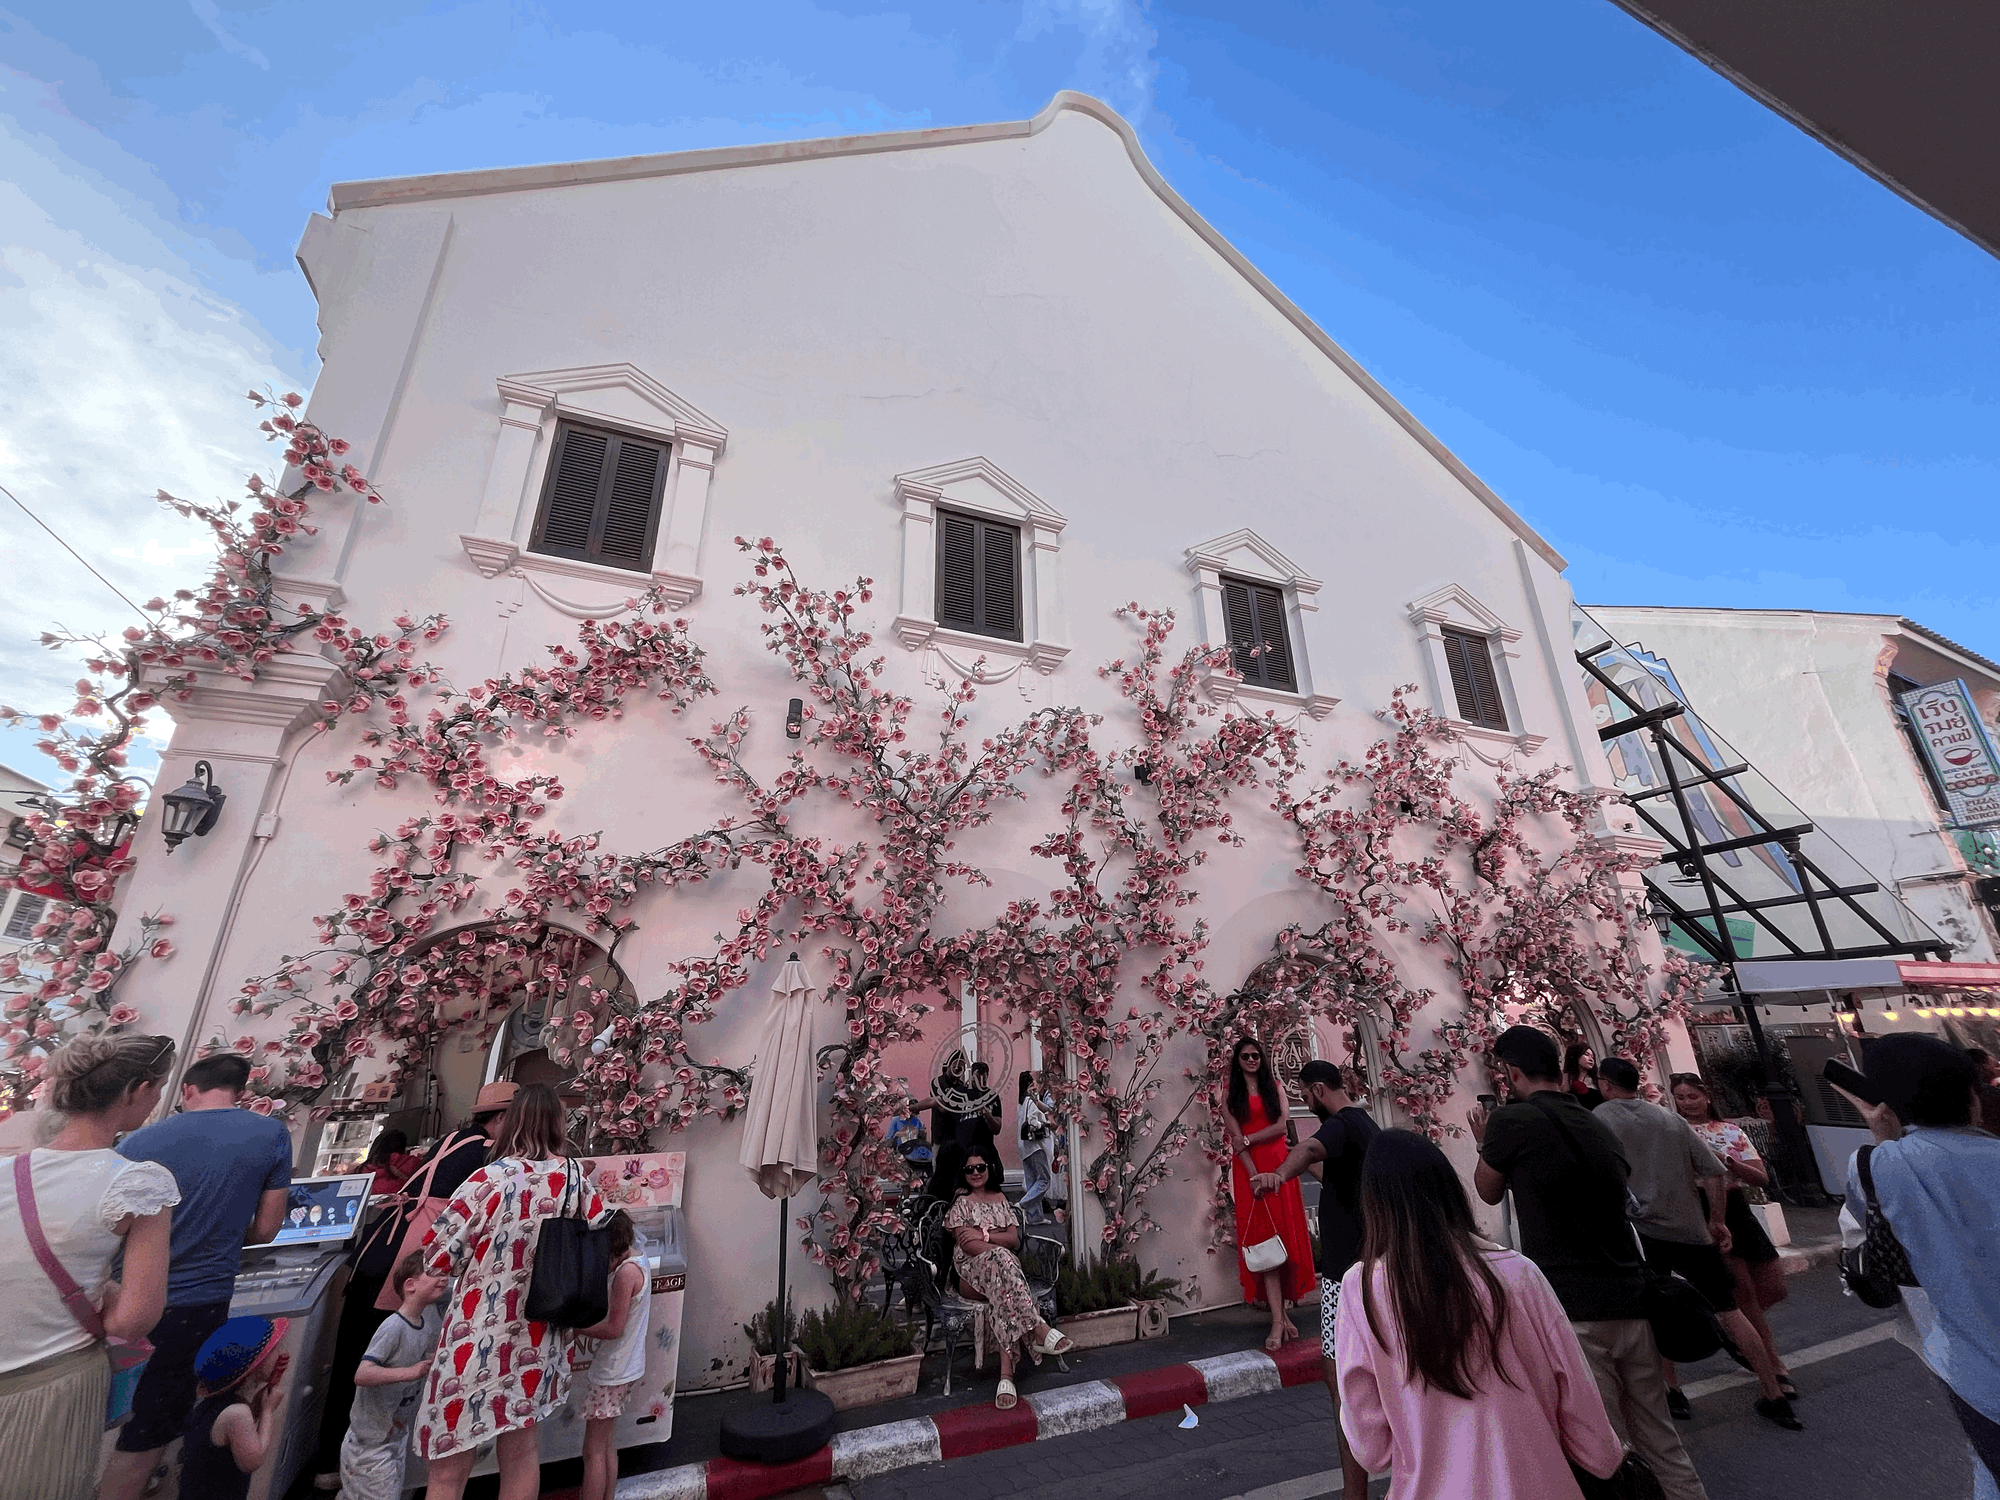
(387, 1384)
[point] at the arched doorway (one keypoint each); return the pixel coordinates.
(1352, 1043)
(507, 994)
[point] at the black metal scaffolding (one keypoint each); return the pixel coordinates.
(1694, 862)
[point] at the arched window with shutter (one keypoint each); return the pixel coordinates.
(601, 499)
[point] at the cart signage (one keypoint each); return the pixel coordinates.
(1959, 750)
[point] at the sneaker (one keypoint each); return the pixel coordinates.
(1677, 1403)
(1779, 1411)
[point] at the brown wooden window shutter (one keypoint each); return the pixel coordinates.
(601, 502)
(1470, 658)
(978, 576)
(1254, 614)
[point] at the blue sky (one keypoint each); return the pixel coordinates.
(1710, 361)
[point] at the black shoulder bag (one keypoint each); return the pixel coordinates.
(1683, 1323)
(1878, 1268)
(570, 1285)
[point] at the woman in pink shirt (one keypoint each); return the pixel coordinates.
(1458, 1371)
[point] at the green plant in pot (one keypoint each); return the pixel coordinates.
(1098, 1282)
(849, 1334)
(758, 1329)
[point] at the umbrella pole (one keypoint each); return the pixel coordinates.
(778, 1334)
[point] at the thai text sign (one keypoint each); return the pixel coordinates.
(1956, 744)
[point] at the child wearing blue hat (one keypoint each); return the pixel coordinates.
(235, 1424)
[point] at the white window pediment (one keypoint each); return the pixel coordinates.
(1244, 554)
(1454, 608)
(979, 487)
(622, 397)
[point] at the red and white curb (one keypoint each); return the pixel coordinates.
(966, 1430)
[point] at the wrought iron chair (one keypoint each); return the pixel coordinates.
(901, 1250)
(945, 1305)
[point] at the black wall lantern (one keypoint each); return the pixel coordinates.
(192, 808)
(1661, 914)
(795, 719)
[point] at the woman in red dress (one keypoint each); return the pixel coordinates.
(1255, 1124)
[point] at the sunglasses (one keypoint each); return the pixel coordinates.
(975, 1166)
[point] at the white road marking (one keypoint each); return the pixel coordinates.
(1305, 1487)
(1811, 1354)
(1327, 1481)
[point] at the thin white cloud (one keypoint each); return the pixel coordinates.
(121, 372)
(1117, 64)
(211, 17)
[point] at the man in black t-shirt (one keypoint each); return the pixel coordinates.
(1567, 1173)
(1337, 1149)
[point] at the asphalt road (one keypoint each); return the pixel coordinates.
(1876, 1424)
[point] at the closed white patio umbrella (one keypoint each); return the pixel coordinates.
(781, 1123)
(781, 1152)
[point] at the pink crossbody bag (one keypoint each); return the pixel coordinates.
(128, 1356)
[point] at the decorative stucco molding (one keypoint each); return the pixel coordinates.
(1456, 608)
(287, 693)
(1242, 553)
(493, 557)
(978, 486)
(619, 396)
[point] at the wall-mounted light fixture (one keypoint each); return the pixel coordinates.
(795, 719)
(192, 808)
(1661, 916)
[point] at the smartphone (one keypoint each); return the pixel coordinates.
(1489, 1101)
(1841, 1076)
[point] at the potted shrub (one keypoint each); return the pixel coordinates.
(1110, 1299)
(764, 1349)
(855, 1354)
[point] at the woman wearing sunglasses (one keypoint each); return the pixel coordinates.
(982, 1223)
(66, 1211)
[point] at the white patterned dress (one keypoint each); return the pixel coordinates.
(495, 1371)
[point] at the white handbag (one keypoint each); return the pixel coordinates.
(1264, 1255)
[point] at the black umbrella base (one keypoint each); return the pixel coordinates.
(779, 1432)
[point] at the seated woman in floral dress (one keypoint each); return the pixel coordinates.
(982, 1223)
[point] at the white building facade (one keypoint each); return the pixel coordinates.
(1013, 345)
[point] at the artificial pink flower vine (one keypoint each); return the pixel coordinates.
(63, 980)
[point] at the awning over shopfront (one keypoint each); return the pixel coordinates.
(1806, 982)
(1782, 983)
(1951, 976)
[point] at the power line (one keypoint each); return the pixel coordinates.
(73, 552)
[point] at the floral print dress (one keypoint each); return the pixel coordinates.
(495, 1371)
(994, 1274)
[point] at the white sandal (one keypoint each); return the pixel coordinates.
(1007, 1395)
(1057, 1343)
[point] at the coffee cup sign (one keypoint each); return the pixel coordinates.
(1960, 752)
